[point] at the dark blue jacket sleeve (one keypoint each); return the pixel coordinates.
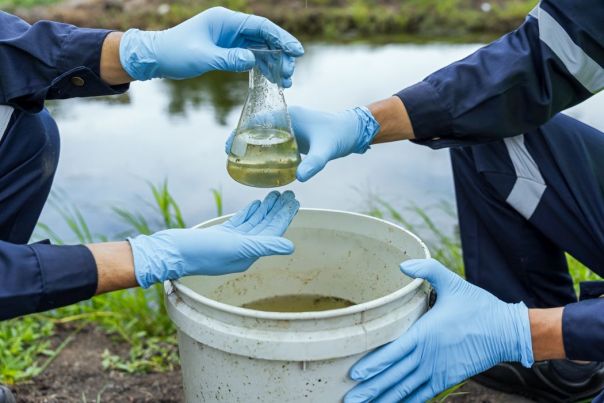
(583, 324)
(49, 60)
(552, 62)
(39, 277)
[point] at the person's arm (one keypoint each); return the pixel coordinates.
(39, 277)
(394, 120)
(583, 330)
(112, 71)
(115, 266)
(575, 332)
(49, 60)
(546, 333)
(553, 61)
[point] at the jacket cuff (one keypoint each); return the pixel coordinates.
(79, 63)
(429, 116)
(69, 274)
(82, 47)
(583, 330)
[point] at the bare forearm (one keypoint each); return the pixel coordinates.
(115, 266)
(112, 71)
(546, 333)
(393, 119)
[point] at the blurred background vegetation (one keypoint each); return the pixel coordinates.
(339, 20)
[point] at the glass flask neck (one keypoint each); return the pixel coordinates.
(259, 81)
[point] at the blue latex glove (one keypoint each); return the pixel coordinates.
(231, 247)
(466, 332)
(216, 39)
(326, 136)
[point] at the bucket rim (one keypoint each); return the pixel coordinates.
(300, 316)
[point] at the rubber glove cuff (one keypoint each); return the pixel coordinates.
(369, 129)
(521, 345)
(155, 260)
(137, 54)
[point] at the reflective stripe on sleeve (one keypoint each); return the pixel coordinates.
(585, 69)
(5, 114)
(530, 185)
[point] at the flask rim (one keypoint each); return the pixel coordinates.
(266, 50)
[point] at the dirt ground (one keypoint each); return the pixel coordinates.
(76, 375)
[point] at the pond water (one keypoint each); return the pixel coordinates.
(176, 131)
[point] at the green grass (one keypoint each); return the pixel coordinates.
(452, 391)
(444, 244)
(579, 272)
(23, 346)
(12, 4)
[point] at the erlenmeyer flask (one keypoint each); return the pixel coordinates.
(264, 152)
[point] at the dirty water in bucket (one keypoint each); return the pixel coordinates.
(298, 303)
(326, 263)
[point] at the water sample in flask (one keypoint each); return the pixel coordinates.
(264, 152)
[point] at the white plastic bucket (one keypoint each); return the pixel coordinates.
(232, 354)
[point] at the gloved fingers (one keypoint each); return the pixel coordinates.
(384, 357)
(313, 128)
(397, 376)
(310, 166)
(260, 213)
(431, 270)
(288, 65)
(300, 117)
(259, 246)
(275, 67)
(233, 59)
(285, 198)
(280, 221)
(275, 37)
(286, 83)
(242, 215)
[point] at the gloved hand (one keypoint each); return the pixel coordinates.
(230, 247)
(216, 39)
(326, 136)
(466, 332)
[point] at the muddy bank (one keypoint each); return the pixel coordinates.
(77, 375)
(324, 19)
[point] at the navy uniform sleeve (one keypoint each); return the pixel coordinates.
(583, 324)
(49, 60)
(552, 62)
(39, 277)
